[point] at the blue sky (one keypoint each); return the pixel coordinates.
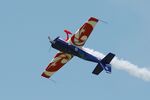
(24, 49)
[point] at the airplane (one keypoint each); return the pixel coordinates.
(72, 46)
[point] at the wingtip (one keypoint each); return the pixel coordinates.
(93, 19)
(44, 75)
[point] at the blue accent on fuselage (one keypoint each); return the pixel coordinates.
(66, 47)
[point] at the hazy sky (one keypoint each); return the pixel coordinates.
(25, 51)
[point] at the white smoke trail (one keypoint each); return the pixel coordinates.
(142, 73)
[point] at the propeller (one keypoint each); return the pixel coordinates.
(50, 40)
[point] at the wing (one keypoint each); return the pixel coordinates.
(59, 60)
(82, 34)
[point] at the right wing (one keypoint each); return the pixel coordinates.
(82, 34)
(59, 60)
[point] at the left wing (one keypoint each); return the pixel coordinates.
(80, 37)
(59, 60)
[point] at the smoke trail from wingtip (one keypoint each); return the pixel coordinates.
(142, 73)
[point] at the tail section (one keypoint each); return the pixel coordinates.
(104, 64)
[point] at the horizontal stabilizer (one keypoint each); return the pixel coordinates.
(98, 69)
(107, 59)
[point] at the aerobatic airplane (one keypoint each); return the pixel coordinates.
(73, 47)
